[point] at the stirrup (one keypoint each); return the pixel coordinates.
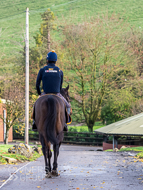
(69, 120)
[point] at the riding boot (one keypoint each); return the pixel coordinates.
(66, 126)
(34, 127)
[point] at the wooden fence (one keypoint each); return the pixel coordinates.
(83, 138)
(70, 138)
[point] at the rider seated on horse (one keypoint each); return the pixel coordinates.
(52, 79)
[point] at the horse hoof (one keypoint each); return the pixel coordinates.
(48, 175)
(55, 173)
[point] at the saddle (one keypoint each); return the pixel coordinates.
(68, 117)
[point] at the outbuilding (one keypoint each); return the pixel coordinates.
(127, 132)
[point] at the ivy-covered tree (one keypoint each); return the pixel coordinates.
(48, 24)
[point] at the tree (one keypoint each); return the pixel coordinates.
(98, 63)
(38, 53)
(14, 105)
(13, 112)
(134, 42)
(117, 106)
(47, 25)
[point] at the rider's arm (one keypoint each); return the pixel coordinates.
(61, 80)
(38, 81)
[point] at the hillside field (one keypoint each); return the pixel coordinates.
(12, 17)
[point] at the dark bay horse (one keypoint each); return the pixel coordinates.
(50, 118)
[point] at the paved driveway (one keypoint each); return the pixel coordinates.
(80, 168)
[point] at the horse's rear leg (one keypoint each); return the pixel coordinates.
(49, 154)
(44, 150)
(55, 164)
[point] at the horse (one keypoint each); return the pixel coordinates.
(50, 117)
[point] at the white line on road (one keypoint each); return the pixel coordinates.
(13, 175)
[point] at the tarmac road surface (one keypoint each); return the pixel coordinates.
(80, 167)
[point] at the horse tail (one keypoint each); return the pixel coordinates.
(51, 119)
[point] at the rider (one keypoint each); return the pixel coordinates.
(52, 79)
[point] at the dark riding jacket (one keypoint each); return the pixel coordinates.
(52, 79)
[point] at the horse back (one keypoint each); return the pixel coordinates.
(50, 116)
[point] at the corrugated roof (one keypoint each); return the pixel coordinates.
(129, 126)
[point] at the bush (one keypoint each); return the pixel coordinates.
(117, 107)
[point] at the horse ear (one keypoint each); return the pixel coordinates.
(67, 87)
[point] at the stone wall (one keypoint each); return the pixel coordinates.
(10, 139)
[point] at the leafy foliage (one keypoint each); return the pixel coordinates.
(13, 105)
(95, 67)
(117, 106)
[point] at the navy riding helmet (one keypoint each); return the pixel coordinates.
(52, 56)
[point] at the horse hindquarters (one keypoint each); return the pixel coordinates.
(51, 119)
(50, 127)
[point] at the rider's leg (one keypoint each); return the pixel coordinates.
(34, 127)
(66, 102)
(69, 110)
(68, 106)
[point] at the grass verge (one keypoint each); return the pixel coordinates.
(140, 155)
(136, 149)
(140, 148)
(18, 157)
(83, 128)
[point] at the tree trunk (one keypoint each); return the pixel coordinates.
(6, 137)
(90, 122)
(90, 127)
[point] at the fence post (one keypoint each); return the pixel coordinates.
(113, 142)
(27, 77)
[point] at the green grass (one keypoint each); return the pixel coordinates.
(83, 128)
(20, 158)
(12, 17)
(4, 148)
(136, 149)
(140, 148)
(140, 155)
(109, 150)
